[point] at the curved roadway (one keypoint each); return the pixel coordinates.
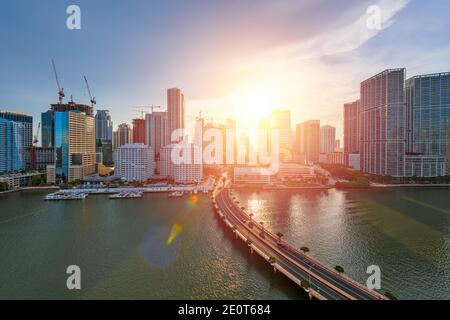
(325, 281)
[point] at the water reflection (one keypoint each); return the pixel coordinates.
(405, 232)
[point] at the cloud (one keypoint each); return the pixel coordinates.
(314, 76)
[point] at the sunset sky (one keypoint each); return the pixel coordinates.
(231, 58)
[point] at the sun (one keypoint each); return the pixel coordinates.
(251, 106)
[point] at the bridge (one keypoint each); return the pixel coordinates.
(324, 283)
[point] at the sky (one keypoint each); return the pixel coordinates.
(231, 58)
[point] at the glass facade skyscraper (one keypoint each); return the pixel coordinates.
(428, 125)
(25, 120)
(12, 151)
(351, 130)
(48, 128)
(74, 145)
(103, 125)
(382, 142)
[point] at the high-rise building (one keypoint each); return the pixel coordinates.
(280, 120)
(104, 147)
(74, 142)
(229, 142)
(48, 120)
(156, 128)
(104, 135)
(428, 117)
(139, 131)
(134, 162)
(308, 139)
(12, 151)
(25, 120)
(175, 112)
(327, 139)
(190, 170)
(382, 142)
(264, 141)
(337, 146)
(103, 125)
(351, 130)
(38, 158)
(48, 129)
(123, 135)
(165, 163)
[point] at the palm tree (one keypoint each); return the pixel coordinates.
(249, 242)
(304, 249)
(272, 260)
(305, 284)
(339, 269)
(279, 235)
(242, 208)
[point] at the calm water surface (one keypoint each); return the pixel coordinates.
(156, 248)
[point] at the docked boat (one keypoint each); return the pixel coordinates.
(126, 195)
(176, 194)
(65, 196)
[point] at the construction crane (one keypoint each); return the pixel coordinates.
(61, 94)
(93, 102)
(142, 109)
(36, 136)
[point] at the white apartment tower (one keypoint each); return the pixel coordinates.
(134, 162)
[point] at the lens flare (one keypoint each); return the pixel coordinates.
(193, 198)
(176, 230)
(192, 201)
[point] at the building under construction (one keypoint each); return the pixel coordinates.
(72, 127)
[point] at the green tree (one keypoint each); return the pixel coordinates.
(4, 186)
(36, 181)
(304, 249)
(339, 269)
(305, 284)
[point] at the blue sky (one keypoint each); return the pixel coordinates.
(307, 56)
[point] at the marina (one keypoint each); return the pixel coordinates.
(173, 191)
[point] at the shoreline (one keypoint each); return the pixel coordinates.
(44, 188)
(372, 187)
(252, 188)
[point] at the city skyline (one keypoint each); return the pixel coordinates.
(236, 82)
(252, 151)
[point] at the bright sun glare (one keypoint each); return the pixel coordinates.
(252, 106)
